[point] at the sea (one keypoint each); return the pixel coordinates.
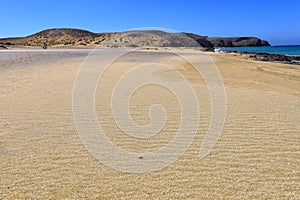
(289, 50)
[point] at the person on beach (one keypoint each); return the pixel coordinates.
(45, 46)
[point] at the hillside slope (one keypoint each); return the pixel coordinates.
(55, 37)
(76, 37)
(68, 37)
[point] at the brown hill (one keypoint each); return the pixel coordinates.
(68, 37)
(238, 41)
(77, 37)
(56, 37)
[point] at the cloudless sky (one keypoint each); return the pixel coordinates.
(274, 20)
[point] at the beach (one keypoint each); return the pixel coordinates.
(42, 156)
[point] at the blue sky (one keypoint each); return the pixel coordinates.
(276, 21)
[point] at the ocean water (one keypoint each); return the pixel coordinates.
(291, 50)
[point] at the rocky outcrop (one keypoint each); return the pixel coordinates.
(238, 42)
(276, 58)
(295, 60)
(202, 41)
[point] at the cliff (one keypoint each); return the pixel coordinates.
(237, 41)
(202, 41)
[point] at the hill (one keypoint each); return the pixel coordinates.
(238, 41)
(81, 38)
(68, 37)
(55, 37)
(156, 38)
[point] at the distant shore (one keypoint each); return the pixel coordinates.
(287, 50)
(267, 57)
(286, 54)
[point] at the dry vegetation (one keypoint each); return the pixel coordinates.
(80, 38)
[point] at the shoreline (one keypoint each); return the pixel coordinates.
(268, 57)
(256, 56)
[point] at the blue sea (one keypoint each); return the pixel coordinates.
(291, 50)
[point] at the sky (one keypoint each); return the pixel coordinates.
(274, 20)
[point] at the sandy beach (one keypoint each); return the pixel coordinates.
(41, 155)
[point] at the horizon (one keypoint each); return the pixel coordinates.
(249, 18)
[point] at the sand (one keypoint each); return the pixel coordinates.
(42, 156)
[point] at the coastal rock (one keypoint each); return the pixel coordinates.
(266, 57)
(237, 41)
(202, 41)
(278, 58)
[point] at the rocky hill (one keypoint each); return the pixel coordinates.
(56, 37)
(67, 37)
(80, 38)
(156, 38)
(202, 40)
(237, 41)
(76, 37)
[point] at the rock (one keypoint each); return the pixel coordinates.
(295, 60)
(237, 41)
(202, 41)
